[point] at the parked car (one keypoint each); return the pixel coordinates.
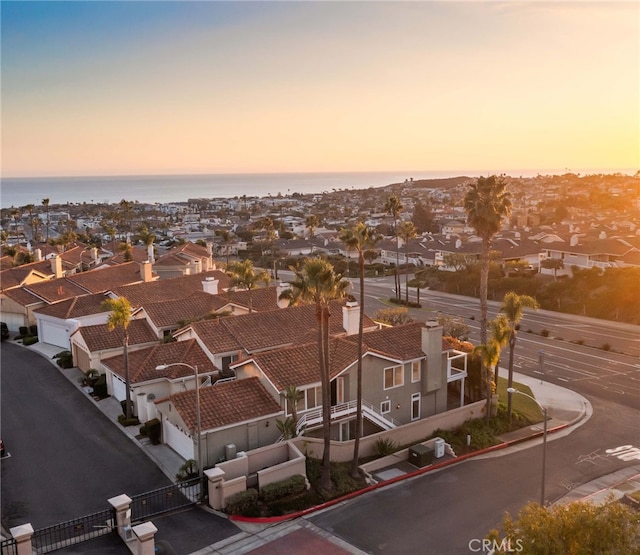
(4, 331)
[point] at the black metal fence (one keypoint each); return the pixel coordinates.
(74, 531)
(9, 547)
(164, 500)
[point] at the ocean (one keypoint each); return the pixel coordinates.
(178, 188)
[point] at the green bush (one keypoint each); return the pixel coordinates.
(128, 422)
(64, 359)
(384, 447)
(23, 330)
(29, 340)
(100, 386)
(290, 486)
(153, 430)
(245, 503)
(33, 330)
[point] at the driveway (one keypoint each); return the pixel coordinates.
(66, 458)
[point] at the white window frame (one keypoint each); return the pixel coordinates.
(395, 369)
(386, 404)
(414, 364)
(416, 397)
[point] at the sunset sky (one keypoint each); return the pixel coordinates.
(116, 88)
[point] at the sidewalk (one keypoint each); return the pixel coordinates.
(565, 409)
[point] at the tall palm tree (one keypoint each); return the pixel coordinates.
(393, 206)
(406, 232)
(120, 317)
(360, 238)
(311, 222)
(316, 281)
(245, 276)
(486, 203)
(513, 306)
(225, 235)
(45, 203)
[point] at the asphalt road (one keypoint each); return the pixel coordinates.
(66, 458)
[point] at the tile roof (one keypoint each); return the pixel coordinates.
(15, 276)
(262, 298)
(22, 296)
(75, 307)
(167, 314)
(105, 278)
(169, 289)
(99, 338)
(143, 363)
(225, 404)
(55, 290)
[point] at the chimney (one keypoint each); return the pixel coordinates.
(150, 254)
(38, 255)
(574, 240)
(432, 377)
(56, 266)
(351, 317)
(145, 271)
(94, 254)
(210, 285)
(458, 243)
(282, 303)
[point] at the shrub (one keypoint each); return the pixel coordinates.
(290, 486)
(245, 503)
(384, 447)
(153, 430)
(187, 471)
(33, 329)
(29, 340)
(64, 359)
(23, 330)
(100, 386)
(128, 422)
(123, 406)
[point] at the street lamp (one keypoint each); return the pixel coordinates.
(198, 427)
(511, 390)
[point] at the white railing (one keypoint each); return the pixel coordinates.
(389, 421)
(314, 416)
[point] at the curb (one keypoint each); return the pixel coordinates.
(419, 472)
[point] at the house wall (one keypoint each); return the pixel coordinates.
(406, 435)
(16, 315)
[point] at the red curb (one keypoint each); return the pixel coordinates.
(290, 516)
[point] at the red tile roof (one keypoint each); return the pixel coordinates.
(99, 338)
(170, 314)
(143, 363)
(75, 307)
(15, 276)
(225, 404)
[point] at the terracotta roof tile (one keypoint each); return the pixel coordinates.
(99, 338)
(143, 363)
(166, 314)
(55, 290)
(106, 278)
(226, 403)
(15, 276)
(83, 305)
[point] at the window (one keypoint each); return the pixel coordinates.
(415, 371)
(385, 407)
(415, 406)
(393, 377)
(227, 361)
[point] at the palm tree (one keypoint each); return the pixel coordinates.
(407, 231)
(45, 203)
(393, 206)
(489, 354)
(311, 222)
(360, 238)
(317, 282)
(225, 235)
(486, 204)
(513, 306)
(120, 317)
(245, 276)
(292, 395)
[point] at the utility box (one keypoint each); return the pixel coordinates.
(230, 451)
(438, 447)
(420, 455)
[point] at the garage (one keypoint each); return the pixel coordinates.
(118, 388)
(53, 333)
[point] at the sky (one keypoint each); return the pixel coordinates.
(160, 87)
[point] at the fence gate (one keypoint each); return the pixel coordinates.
(74, 531)
(166, 499)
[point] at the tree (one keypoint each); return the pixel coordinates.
(573, 528)
(360, 238)
(486, 204)
(120, 317)
(453, 326)
(225, 235)
(393, 206)
(422, 217)
(513, 306)
(554, 264)
(406, 232)
(316, 281)
(293, 395)
(393, 316)
(245, 276)
(45, 203)
(311, 222)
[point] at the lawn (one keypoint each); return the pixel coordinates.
(521, 403)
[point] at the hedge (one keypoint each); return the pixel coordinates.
(290, 486)
(243, 503)
(29, 340)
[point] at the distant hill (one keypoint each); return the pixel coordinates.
(443, 183)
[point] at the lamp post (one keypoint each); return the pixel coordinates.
(198, 426)
(512, 390)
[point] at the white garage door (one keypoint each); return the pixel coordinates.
(13, 321)
(178, 440)
(53, 334)
(118, 388)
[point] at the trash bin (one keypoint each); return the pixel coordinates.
(438, 447)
